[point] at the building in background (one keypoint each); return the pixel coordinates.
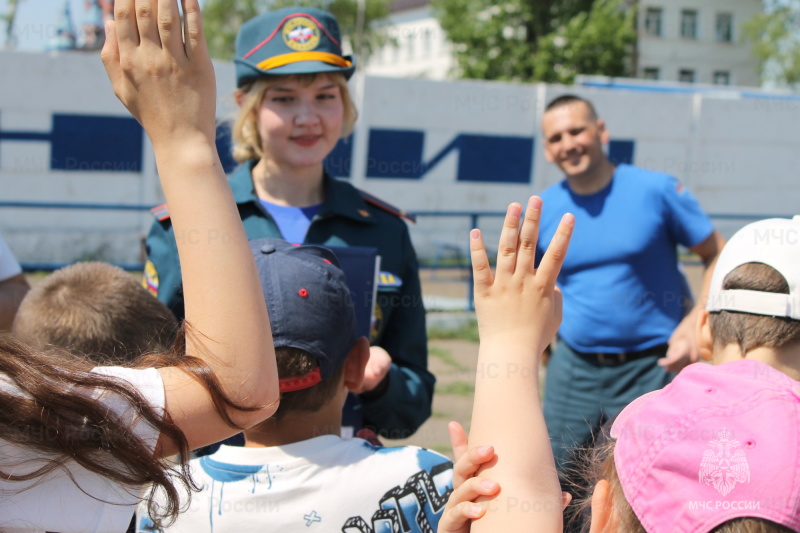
(417, 47)
(695, 42)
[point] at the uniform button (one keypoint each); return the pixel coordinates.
(268, 249)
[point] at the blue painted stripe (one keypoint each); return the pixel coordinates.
(25, 136)
(69, 205)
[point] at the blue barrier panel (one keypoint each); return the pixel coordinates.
(86, 143)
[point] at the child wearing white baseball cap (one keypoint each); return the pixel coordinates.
(717, 450)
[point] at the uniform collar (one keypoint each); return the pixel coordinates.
(341, 198)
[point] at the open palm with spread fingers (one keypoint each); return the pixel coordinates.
(519, 311)
(160, 68)
(518, 301)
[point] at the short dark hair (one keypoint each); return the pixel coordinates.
(748, 330)
(294, 362)
(95, 310)
(569, 99)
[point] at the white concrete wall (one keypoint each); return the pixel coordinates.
(421, 145)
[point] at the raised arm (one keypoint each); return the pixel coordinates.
(167, 83)
(519, 311)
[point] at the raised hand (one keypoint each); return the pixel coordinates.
(519, 311)
(165, 82)
(520, 303)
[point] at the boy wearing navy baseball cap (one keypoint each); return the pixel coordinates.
(284, 478)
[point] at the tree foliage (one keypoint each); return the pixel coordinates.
(538, 40)
(773, 34)
(594, 42)
(223, 18)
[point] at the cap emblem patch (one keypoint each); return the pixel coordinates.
(301, 34)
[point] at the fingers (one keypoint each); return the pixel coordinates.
(146, 14)
(458, 439)
(460, 506)
(110, 52)
(125, 22)
(469, 463)
(455, 519)
(566, 498)
(529, 235)
(553, 258)
(509, 237)
(481, 271)
(193, 29)
(169, 28)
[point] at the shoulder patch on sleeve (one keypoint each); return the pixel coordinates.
(389, 208)
(150, 278)
(160, 212)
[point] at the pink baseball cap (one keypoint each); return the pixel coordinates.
(718, 443)
(774, 242)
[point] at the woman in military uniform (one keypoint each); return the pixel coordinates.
(294, 107)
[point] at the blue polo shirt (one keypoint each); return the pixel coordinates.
(623, 290)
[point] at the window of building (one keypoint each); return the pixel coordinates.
(427, 39)
(652, 21)
(651, 73)
(724, 27)
(689, 24)
(410, 45)
(686, 75)
(722, 77)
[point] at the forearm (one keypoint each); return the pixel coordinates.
(508, 416)
(224, 303)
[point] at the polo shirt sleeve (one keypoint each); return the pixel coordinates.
(686, 221)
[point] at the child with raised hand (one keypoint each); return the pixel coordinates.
(78, 444)
(519, 310)
(717, 449)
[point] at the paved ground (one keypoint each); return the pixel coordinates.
(453, 363)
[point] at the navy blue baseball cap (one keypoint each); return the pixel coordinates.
(310, 307)
(293, 40)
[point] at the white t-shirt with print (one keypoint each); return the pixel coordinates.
(325, 484)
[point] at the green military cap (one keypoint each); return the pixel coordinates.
(294, 40)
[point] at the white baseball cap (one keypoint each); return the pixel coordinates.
(774, 242)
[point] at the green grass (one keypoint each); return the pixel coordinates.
(467, 332)
(446, 357)
(457, 388)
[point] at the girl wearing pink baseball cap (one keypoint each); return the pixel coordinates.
(717, 450)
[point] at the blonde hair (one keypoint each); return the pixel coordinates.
(246, 139)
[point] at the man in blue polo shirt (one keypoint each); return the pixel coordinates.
(628, 323)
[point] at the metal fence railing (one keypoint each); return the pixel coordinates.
(437, 249)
